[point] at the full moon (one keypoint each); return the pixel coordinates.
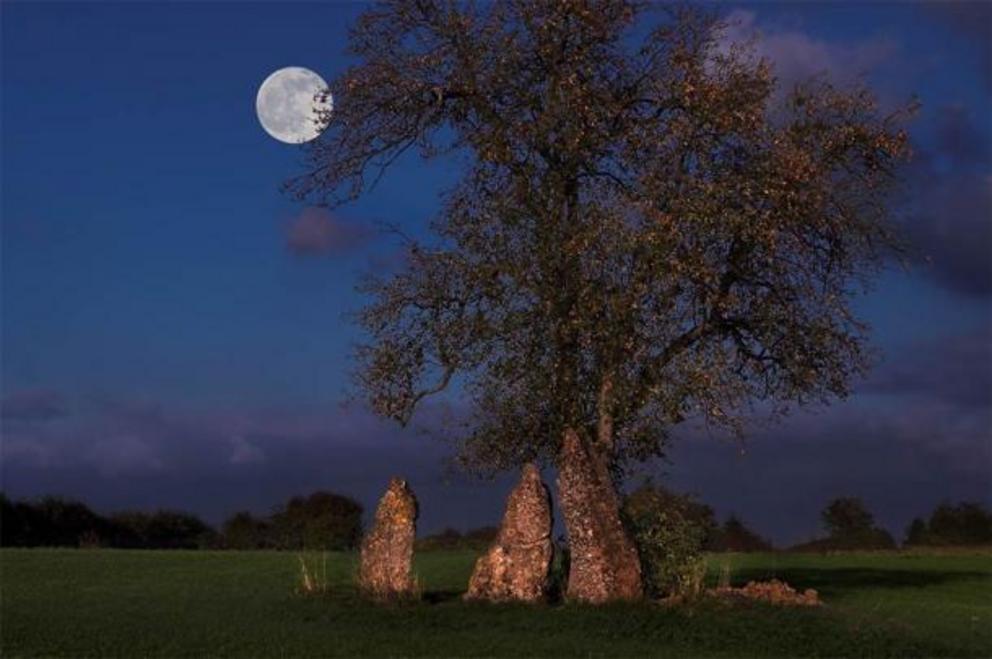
(288, 107)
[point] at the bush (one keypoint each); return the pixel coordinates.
(850, 526)
(319, 521)
(323, 520)
(245, 531)
(735, 536)
(669, 540)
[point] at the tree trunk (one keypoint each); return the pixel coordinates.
(604, 563)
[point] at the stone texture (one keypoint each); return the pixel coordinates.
(516, 566)
(774, 592)
(387, 550)
(604, 562)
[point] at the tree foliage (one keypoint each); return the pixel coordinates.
(847, 516)
(961, 524)
(850, 525)
(242, 530)
(162, 529)
(59, 522)
(735, 536)
(322, 520)
(641, 234)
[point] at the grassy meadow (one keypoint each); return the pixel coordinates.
(105, 603)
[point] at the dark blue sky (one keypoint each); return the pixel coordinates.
(173, 330)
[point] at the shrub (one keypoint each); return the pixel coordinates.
(322, 520)
(245, 531)
(735, 536)
(669, 540)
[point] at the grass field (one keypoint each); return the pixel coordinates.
(77, 603)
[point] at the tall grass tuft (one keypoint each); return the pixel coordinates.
(313, 575)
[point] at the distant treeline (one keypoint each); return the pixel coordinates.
(966, 523)
(325, 520)
(850, 525)
(322, 520)
(449, 538)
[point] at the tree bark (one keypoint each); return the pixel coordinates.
(604, 562)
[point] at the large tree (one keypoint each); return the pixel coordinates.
(647, 230)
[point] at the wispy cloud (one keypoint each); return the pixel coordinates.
(316, 232)
(797, 55)
(33, 405)
(949, 218)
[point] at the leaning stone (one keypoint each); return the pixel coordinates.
(604, 562)
(385, 570)
(517, 565)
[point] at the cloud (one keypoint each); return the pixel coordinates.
(903, 453)
(948, 216)
(917, 433)
(971, 21)
(949, 213)
(315, 232)
(125, 455)
(960, 139)
(902, 462)
(120, 453)
(244, 452)
(952, 227)
(954, 370)
(33, 405)
(797, 56)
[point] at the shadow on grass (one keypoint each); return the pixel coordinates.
(441, 596)
(836, 582)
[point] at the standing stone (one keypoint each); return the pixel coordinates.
(387, 550)
(604, 562)
(516, 566)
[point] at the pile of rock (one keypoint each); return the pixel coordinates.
(773, 592)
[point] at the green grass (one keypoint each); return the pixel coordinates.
(171, 604)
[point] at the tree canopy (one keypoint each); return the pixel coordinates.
(851, 525)
(646, 230)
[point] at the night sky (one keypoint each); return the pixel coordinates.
(175, 332)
